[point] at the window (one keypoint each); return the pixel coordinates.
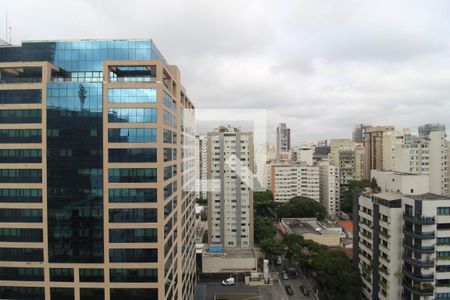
(133, 255)
(144, 235)
(20, 215)
(136, 215)
(132, 195)
(133, 275)
(20, 175)
(132, 175)
(132, 135)
(20, 195)
(132, 115)
(21, 274)
(19, 116)
(91, 275)
(132, 95)
(20, 235)
(132, 155)
(61, 275)
(20, 156)
(16, 136)
(20, 96)
(443, 210)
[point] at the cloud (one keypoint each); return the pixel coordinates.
(319, 66)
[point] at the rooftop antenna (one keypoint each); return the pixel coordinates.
(10, 35)
(6, 27)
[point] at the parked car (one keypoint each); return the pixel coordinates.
(292, 272)
(285, 276)
(304, 290)
(289, 290)
(229, 281)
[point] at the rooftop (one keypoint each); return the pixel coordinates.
(232, 253)
(310, 225)
(428, 196)
(347, 225)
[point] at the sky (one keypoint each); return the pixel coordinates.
(319, 66)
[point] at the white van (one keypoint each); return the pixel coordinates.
(229, 281)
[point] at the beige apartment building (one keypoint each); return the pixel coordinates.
(96, 173)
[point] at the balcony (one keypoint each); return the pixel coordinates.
(424, 235)
(423, 263)
(419, 249)
(420, 220)
(423, 292)
(418, 277)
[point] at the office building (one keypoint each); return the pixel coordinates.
(95, 185)
(283, 139)
(230, 198)
(329, 194)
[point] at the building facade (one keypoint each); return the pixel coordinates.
(374, 147)
(349, 157)
(96, 189)
(230, 197)
(290, 180)
(358, 132)
(283, 139)
(329, 185)
(201, 163)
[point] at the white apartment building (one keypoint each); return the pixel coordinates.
(377, 245)
(403, 183)
(426, 247)
(230, 200)
(329, 185)
(201, 167)
(303, 154)
(290, 180)
(426, 155)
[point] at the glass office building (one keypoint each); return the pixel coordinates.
(95, 173)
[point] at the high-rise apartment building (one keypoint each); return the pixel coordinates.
(283, 139)
(201, 170)
(329, 194)
(374, 147)
(426, 155)
(96, 173)
(290, 180)
(303, 154)
(349, 157)
(424, 130)
(230, 198)
(358, 133)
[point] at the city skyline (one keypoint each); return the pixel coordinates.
(369, 65)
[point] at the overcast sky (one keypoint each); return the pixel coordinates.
(319, 66)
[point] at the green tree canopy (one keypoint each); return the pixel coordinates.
(264, 228)
(301, 207)
(272, 248)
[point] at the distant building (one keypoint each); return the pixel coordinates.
(403, 183)
(374, 147)
(230, 199)
(201, 167)
(303, 154)
(349, 157)
(290, 180)
(321, 151)
(424, 130)
(358, 133)
(329, 186)
(283, 139)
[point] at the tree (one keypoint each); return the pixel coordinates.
(301, 207)
(272, 248)
(355, 187)
(264, 228)
(263, 201)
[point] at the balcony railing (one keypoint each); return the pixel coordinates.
(418, 277)
(419, 249)
(419, 234)
(418, 291)
(421, 220)
(423, 263)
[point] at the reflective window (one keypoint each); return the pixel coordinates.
(22, 293)
(20, 175)
(61, 275)
(18, 116)
(132, 195)
(20, 96)
(20, 156)
(132, 175)
(133, 215)
(24, 235)
(62, 294)
(169, 102)
(21, 254)
(169, 119)
(92, 294)
(91, 275)
(20, 195)
(133, 275)
(144, 235)
(32, 215)
(132, 155)
(132, 115)
(21, 274)
(132, 294)
(15, 136)
(132, 95)
(133, 255)
(132, 135)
